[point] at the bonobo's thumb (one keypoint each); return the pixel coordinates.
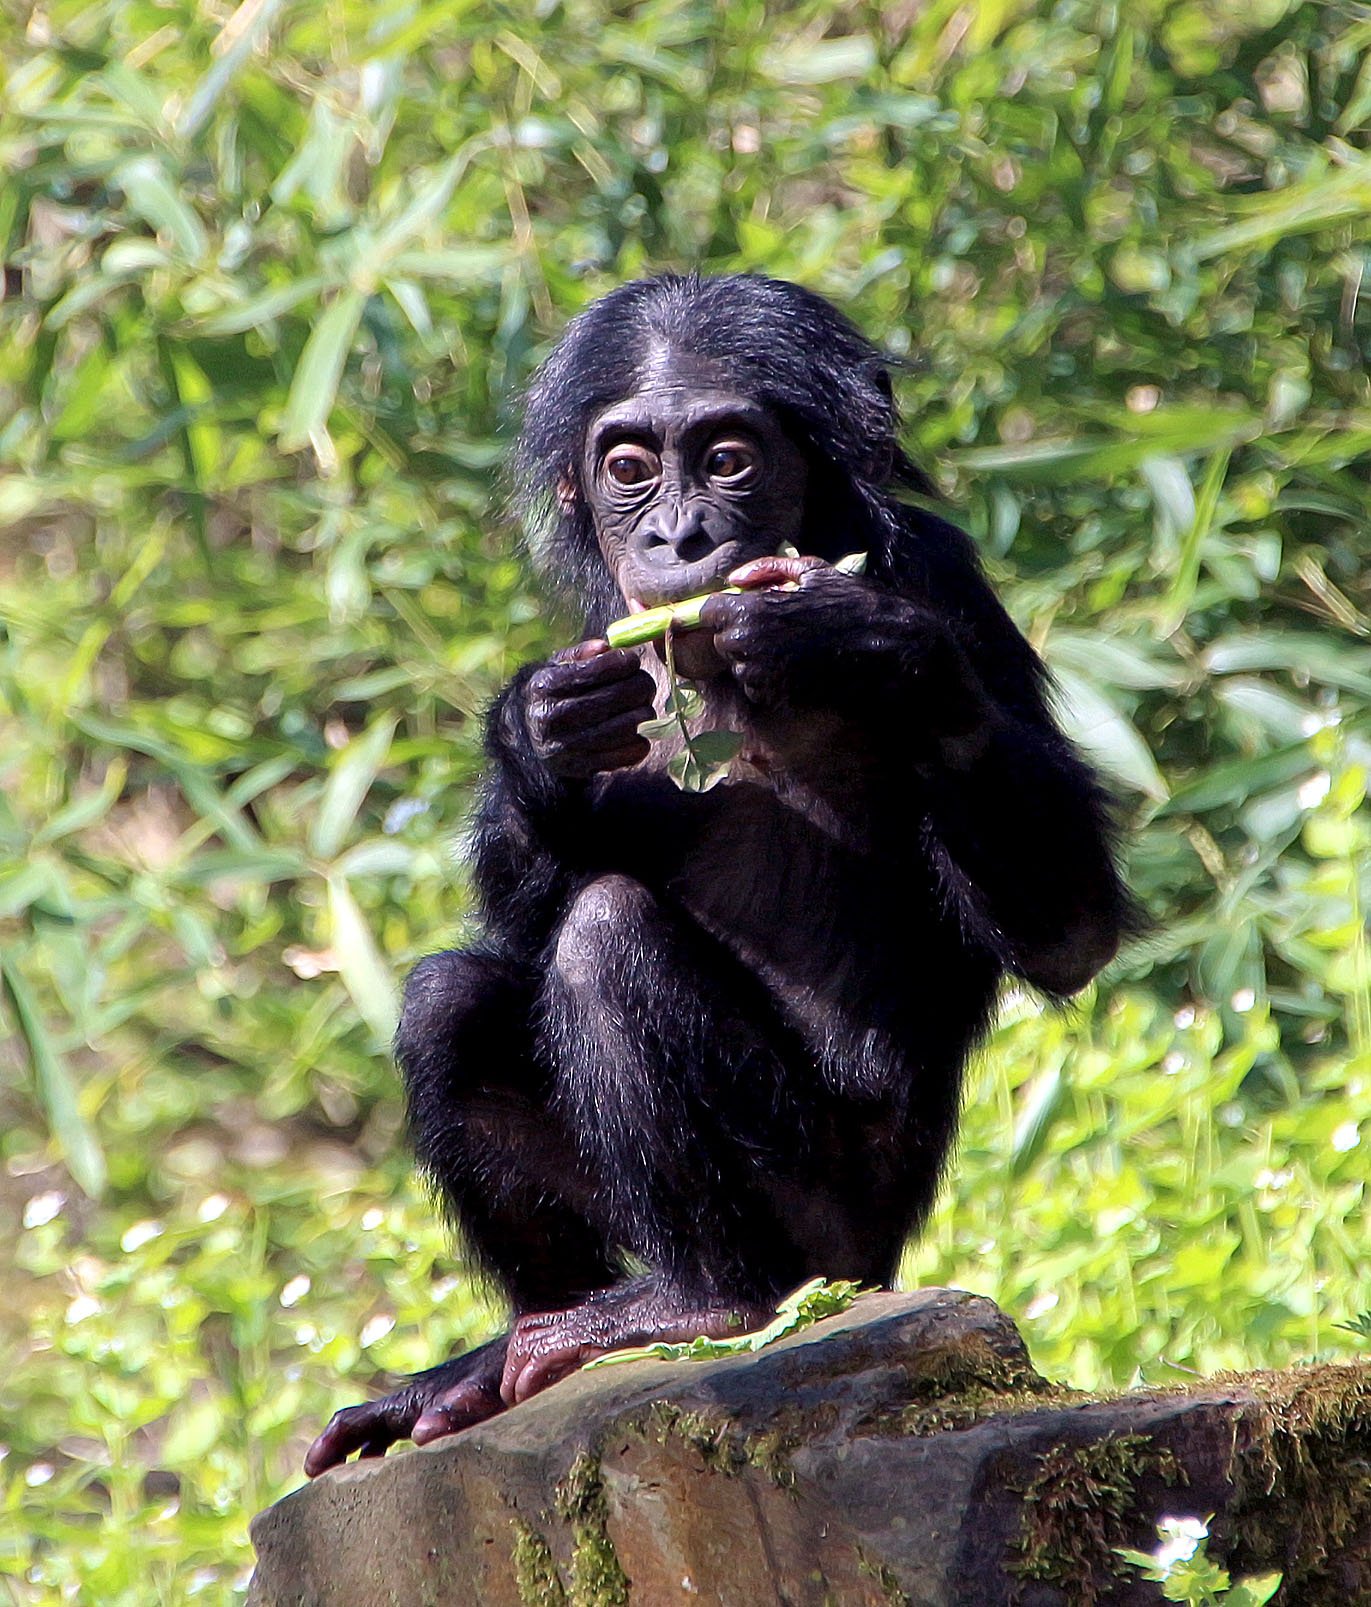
(582, 650)
(761, 572)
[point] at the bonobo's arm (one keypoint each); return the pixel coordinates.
(940, 678)
(553, 728)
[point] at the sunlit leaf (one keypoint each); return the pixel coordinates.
(352, 777)
(1102, 728)
(55, 1086)
(315, 385)
(154, 196)
(365, 973)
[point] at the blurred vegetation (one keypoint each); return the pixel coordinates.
(273, 274)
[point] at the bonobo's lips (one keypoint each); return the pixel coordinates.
(679, 581)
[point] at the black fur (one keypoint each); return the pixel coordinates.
(703, 1102)
(724, 1034)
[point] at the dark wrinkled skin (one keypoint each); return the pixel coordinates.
(905, 824)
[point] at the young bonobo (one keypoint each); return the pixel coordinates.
(723, 1033)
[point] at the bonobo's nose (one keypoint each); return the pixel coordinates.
(677, 533)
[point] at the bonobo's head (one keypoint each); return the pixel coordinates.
(684, 425)
(686, 479)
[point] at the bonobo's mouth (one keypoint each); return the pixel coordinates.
(650, 590)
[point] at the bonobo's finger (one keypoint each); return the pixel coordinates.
(544, 1348)
(616, 747)
(560, 676)
(723, 611)
(774, 571)
(594, 647)
(737, 619)
(583, 712)
(619, 731)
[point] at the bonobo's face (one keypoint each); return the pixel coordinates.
(687, 479)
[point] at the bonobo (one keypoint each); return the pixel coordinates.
(718, 1037)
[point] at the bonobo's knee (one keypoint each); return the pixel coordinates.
(455, 1001)
(605, 922)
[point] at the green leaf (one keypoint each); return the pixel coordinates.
(195, 1429)
(1294, 209)
(822, 61)
(716, 747)
(380, 857)
(265, 865)
(260, 309)
(1129, 663)
(1092, 718)
(354, 772)
(24, 884)
(801, 1308)
(1238, 780)
(82, 812)
(458, 265)
(1182, 590)
(314, 388)
(1230, 962)
(365, 973)
(1254, 1590)
(54, 1083)
(152, 195)
(1321, 658)
(249, 27)
(1044, 1104)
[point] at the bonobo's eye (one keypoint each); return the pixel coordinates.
(629, 464)
(734, 461)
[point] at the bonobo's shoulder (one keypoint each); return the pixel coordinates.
(927, 554)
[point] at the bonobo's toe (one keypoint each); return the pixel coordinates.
(471, 1401)
(369, 1429)
(546, 1347)
(432, 1404)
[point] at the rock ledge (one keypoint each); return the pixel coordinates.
(903, 1452)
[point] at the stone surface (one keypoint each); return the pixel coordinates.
(903, 1452)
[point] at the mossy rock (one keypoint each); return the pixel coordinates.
(903, 1452)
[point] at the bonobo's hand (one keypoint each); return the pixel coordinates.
(802, 634)
(584, 707)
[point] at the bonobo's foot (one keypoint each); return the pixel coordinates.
(440, 1401)
(545, 1346)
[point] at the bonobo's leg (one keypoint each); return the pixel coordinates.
(504, 1169)
(480, 1120)
(686, 1093)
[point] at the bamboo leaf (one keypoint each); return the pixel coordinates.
(153, 196)
(314, 388)
(1097, 723)
(365, 973)
(1182, 589)
(261, 309)
(1295, 209)
(243, 30)
(1036, 1121)
(351, 779)
(55, 1086)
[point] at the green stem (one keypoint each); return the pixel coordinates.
(673, 689)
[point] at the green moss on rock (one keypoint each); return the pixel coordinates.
(597, 1579)
(535, 1572)
(1076, 1507)
(1302, 1481)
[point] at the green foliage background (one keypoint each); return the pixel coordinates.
(274, 274)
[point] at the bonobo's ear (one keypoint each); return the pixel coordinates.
(567, 494)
